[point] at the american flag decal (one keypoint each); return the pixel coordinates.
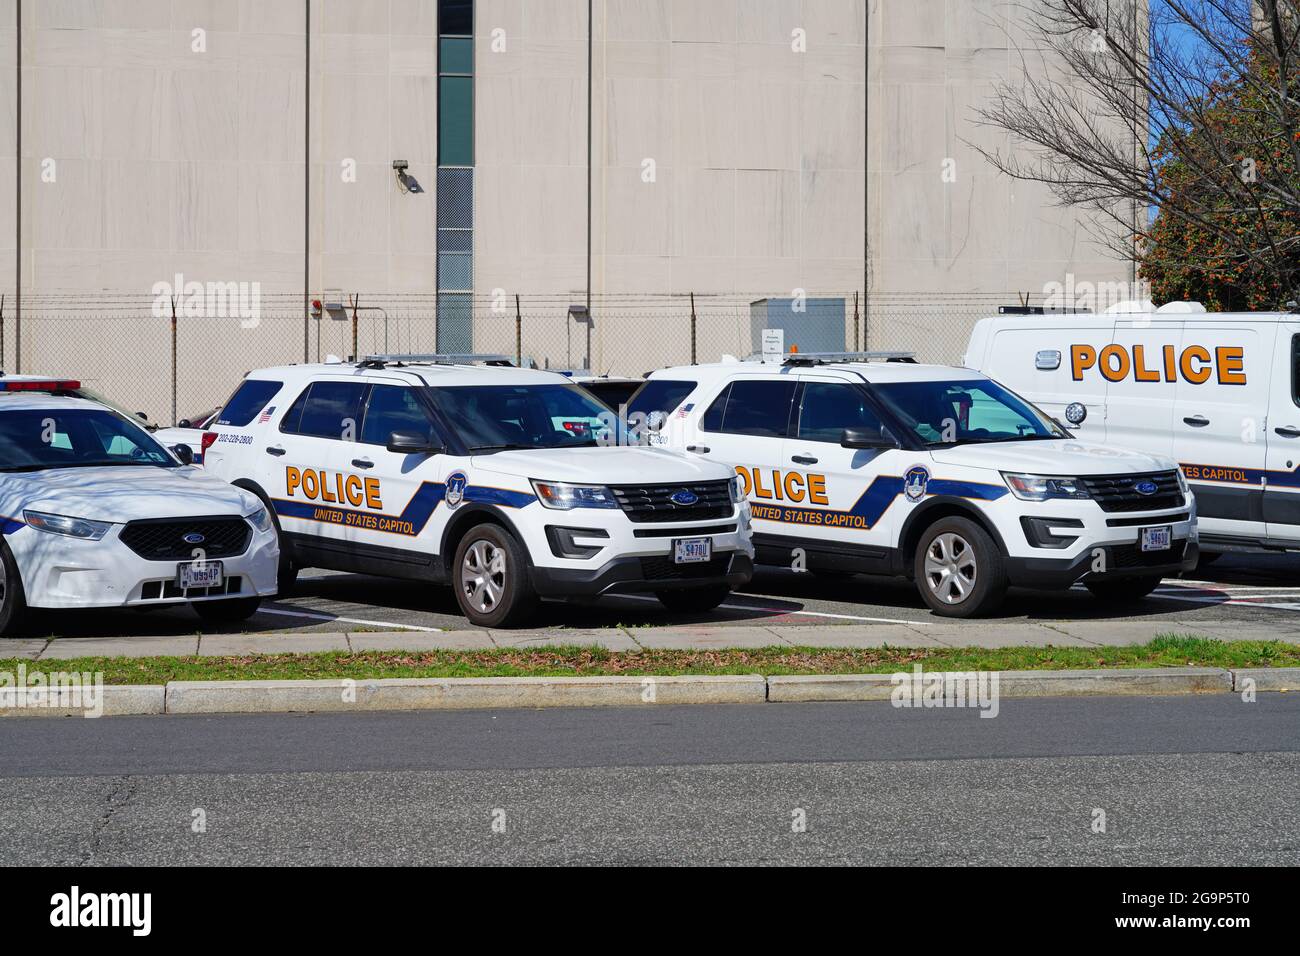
(685, 410)
(266, 415)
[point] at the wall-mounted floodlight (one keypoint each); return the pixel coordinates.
(405, 181)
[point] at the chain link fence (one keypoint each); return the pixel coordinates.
(130, 349)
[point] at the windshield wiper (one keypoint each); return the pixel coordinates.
(505, 447)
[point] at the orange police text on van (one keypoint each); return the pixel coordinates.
(1194, 364)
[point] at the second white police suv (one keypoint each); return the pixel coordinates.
(495, 479)
(931, 472)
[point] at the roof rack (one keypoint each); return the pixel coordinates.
(827, 358)
(1036, 310)
(437, 358)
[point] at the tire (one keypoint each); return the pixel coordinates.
(228, 610)
(491, 578)
(1206, 558)
(694, 600)
(1123, 589)
(13, 601)
(286, 576)
(959, 569)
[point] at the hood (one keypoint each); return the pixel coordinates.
(126, 493)
(612, 465)
(1065, 457)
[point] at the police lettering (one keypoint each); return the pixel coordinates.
(1194, 364)
(776, 485)
(333, 487)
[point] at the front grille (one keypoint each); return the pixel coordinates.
(663, 569)
(654, 502)
(164, 540)
(1116, 492)
(1131, 556)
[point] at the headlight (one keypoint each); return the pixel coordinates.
(562, 496)
(260, 519)
(1183, 486)
(1038, 488)
(737, 489)
(72, 527)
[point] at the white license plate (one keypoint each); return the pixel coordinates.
(1157, 539)
(195, 574)
(692, 550)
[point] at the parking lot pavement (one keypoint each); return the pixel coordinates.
(1241, 598)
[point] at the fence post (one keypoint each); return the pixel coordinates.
(356, 356)
(857, 346)
(2, 332)
(174, 331)
(519, 334)
(693, 321)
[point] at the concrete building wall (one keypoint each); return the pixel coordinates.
(737, 149)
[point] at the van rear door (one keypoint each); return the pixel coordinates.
(1282, 491)
(1220, 418)
(1140, 388)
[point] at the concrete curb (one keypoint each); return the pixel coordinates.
(1267, 678)
(116, 701)
(483, 693)
(461, 693)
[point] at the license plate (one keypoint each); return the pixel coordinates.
(692, 550)
(1157, 539)
(194, 574)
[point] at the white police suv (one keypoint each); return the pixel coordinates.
(95, 513)
(936, 473)
(500, 481)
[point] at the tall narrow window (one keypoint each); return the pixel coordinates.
(455, 176)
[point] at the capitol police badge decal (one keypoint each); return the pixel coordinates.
(456, 483)
(915, 482)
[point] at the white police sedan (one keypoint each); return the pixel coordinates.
(95, 513)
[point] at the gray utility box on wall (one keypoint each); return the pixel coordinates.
(819, 327)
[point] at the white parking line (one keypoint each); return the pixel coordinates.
(782, 610)
(347, 620)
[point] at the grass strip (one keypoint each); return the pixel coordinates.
(1172, 650)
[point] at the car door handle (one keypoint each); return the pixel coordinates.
(362, 463)
(804, 459)
(698, 449)
(275, 450)
(1288, 431)
(1196, 421)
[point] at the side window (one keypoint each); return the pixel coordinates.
(827, 409)
(289, 424)
(712, 420)
(392, 408)
(249, 399)
(761, 409)
(332, 410)
(1295, 369)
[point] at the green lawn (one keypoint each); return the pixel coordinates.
(1165, 651)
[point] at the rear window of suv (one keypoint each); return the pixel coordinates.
(660, 395)
(249, 399)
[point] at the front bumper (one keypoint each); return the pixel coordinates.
(67, 573)
(630, 575)
(1116, 561)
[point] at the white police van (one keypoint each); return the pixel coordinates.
(95, 513)
(1218, 393)
(931, 472)
(494, 479)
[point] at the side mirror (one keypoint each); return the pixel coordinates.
(185, 453)
(184, 423)
(142, 416)
(867, 438)
(412, 443)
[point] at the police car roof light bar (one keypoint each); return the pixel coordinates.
(827, 358)
(437, 358)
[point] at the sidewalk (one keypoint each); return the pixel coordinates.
(989, 634)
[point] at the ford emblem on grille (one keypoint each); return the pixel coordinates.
(194, 538)
(1146, 487)
(684, 497)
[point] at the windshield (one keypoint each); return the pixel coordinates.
(35, 439)
(94, 396)
(502, 417)
(963, 412)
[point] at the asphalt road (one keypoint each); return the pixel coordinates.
(1252, 590)
(1181, 780)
